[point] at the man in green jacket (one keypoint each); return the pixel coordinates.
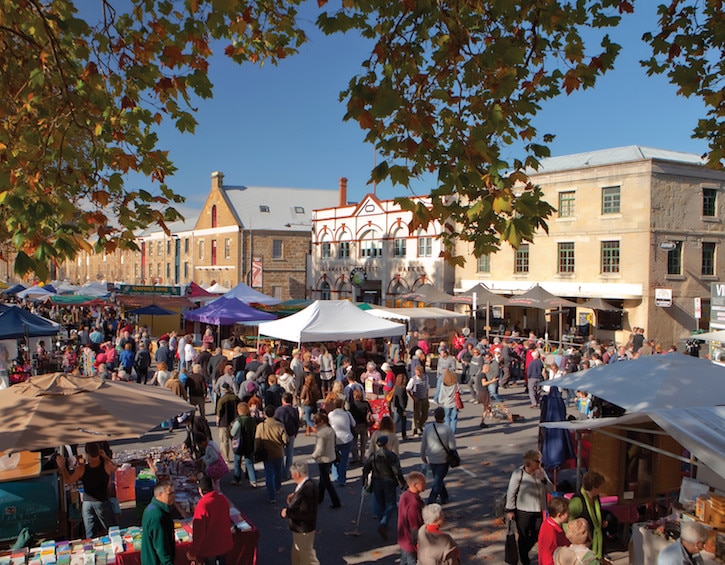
(158, 546)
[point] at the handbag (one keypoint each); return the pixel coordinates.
(511, 550)
(452, 457)
(218, 468)
(459, 400)
(389, 395)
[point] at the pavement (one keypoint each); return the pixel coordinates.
(488, 458)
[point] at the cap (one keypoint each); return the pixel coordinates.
(225, 386)
(382, 440)
(385, 366)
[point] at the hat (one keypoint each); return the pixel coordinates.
(382, 440)
(385, 366)
(225, 386)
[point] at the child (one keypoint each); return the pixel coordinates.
(551, 534)
(578, 553)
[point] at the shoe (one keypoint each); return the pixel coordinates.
(383, 531)
(474, 401)
(534, 406)
(483, 425)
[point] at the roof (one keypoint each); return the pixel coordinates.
(179, 226)
(615, 155)
(269, 208)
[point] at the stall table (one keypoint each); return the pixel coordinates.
(244, 551)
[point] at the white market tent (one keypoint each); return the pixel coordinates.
(248, 295)
(217, 288)
(330, 320)
(710, 336)
(416, 314)
(93, 289)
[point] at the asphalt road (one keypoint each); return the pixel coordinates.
(488, 458)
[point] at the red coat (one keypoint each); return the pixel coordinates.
(212, 529)
(551, 536)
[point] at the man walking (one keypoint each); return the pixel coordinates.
(410, 518)
(301, 516)
(384, 467)
(417, 388)
(289, 416)
(158, 546)
(226, 413)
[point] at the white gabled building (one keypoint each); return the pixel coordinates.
(366, 252)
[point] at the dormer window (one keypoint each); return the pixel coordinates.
(299, 210)
(264, 208)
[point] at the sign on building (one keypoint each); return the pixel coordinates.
(717, 306)
(257, 272)
(663, 297)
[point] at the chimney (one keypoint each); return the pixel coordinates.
(343, 191)
(217, 180)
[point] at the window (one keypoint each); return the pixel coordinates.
(277, 249)
(344, 251)
(709, 202)
(168, 270)
(299, 210)
(610, 256)
(566, 257)
(168, 247)
(227, 248)
(521, 259)
(610, 200)
(158, 269)
(674, 260)
(325, 250)
(186, 270)
(186, 245)
(399, 243)
(213, 216)
(370, 246)
(264, 208)
(483, 264)
(159, 248)
(566, 204)
(151, 249)
(201, 249)
(213, 251)
(277, 292)
(708, 258)
(425, 246)
(325, 293)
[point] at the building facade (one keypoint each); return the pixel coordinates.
(634, 226)
(366, 252)
(256, 235)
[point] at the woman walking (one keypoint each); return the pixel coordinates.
(324, 455)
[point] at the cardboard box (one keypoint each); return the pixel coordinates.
(702, 508)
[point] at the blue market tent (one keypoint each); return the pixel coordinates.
(227, 311)
(152, 310)
(13, 289)
(248, 295)
(16, 323)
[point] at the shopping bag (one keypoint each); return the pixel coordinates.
(511, 550)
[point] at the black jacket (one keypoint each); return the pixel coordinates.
(302, 509)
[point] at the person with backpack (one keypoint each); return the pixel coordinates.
(242, 433)
(142, 364)
(382, 473)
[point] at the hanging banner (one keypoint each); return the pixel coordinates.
(257, 272)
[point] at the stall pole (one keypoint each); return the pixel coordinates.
(474, 311)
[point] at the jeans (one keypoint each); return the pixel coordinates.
(439, 382)
(420, 413)
(384, 491)
(339, 470)
(326, 485)
(97, 517)
(309, 410)
(360, 441)
(452, 417)
(408, 558)
(249, 464)
(401, 422)
(493, 393)
(273, 476)
(289, 451)
(439, 470)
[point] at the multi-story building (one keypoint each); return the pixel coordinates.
(256, 235)
(366, 252)
(635, 226)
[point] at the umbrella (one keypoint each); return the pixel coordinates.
(537, 297)
(152, 310)
(483, 296)
(555, 444)
(599, 304)
(57, 409)
(673, 380)
(429, 294)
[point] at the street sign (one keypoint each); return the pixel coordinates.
(668, 245)
(663, 297)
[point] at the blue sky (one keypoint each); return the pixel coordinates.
(282, 126)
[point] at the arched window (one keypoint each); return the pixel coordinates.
(370, 245)
(213, 216)
(325, 293)
(325, 247)
(399, 243)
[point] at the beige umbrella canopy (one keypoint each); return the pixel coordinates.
(428, 294)
(57, 409)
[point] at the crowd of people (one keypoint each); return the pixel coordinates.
(263, 399)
